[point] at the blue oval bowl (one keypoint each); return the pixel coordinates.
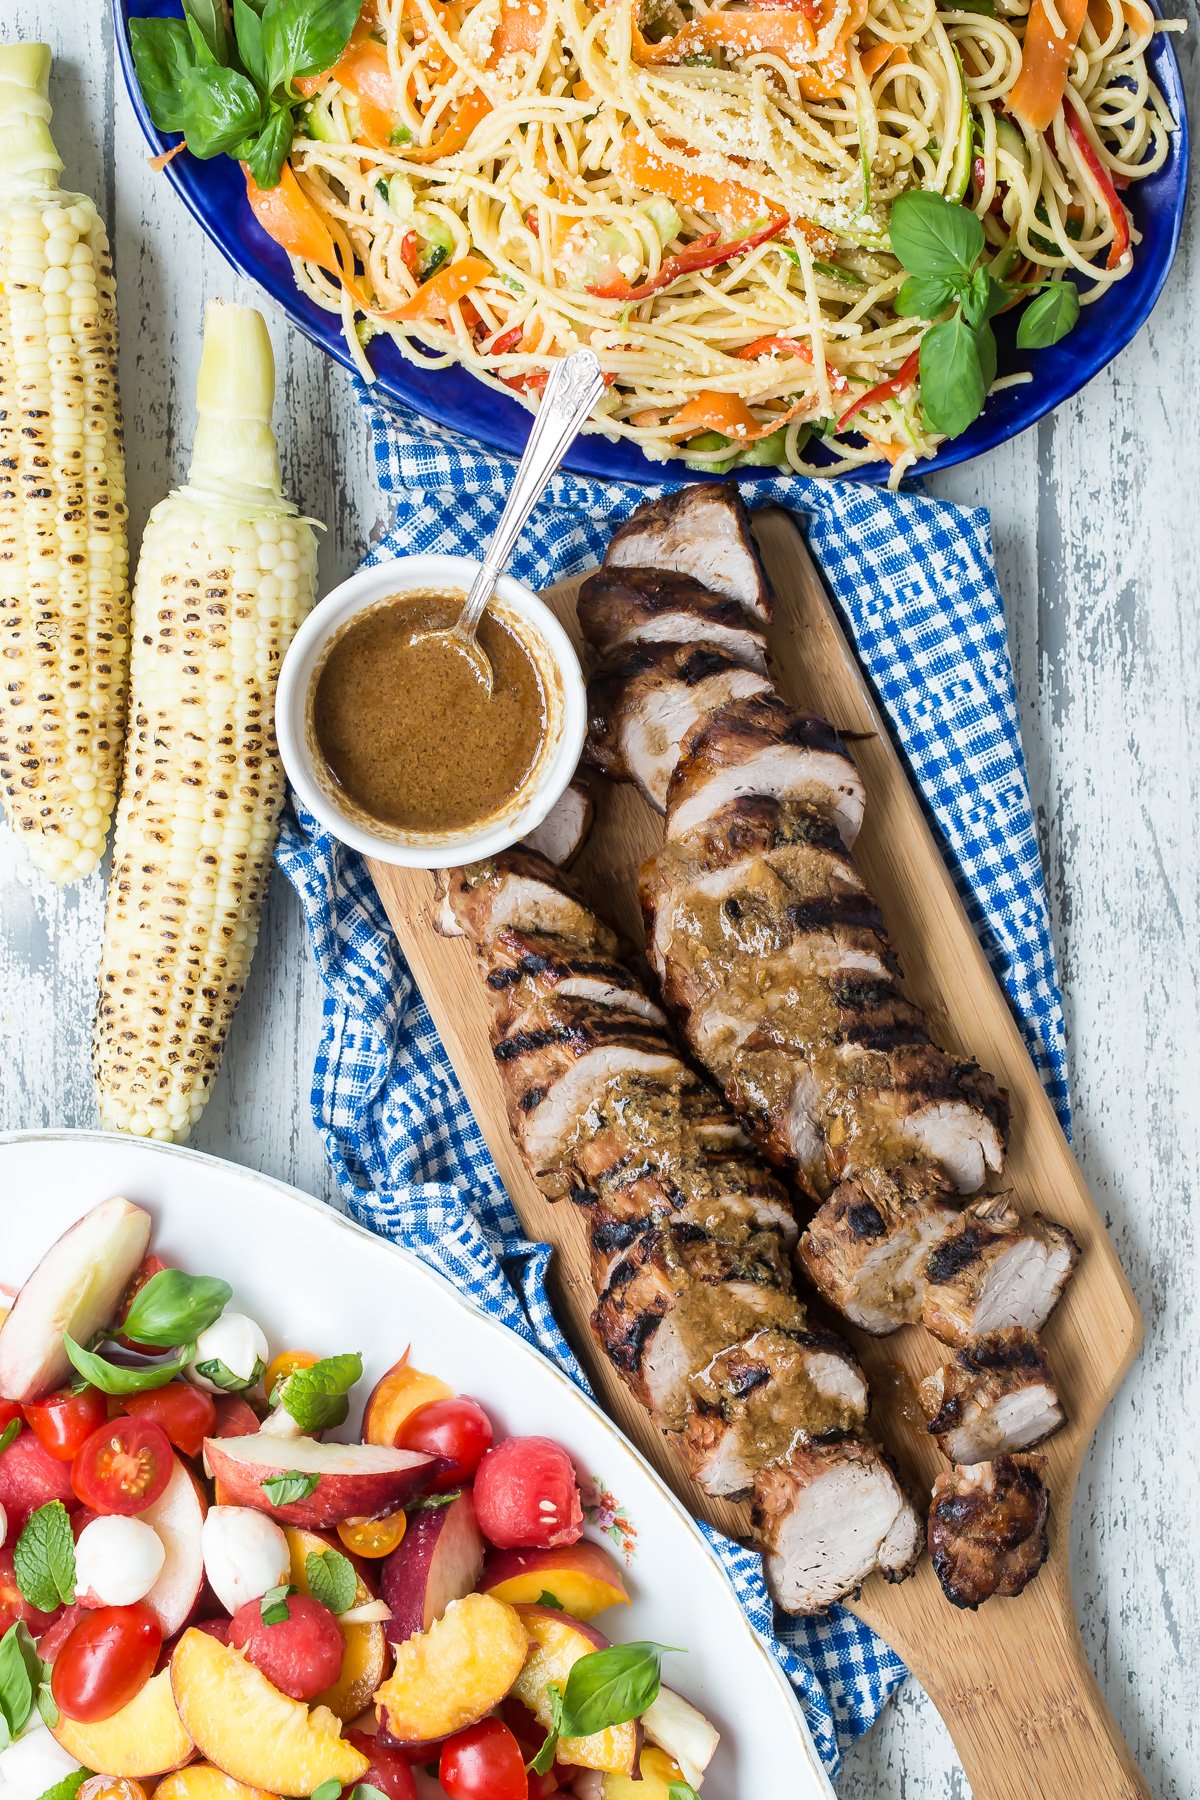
(215, 194)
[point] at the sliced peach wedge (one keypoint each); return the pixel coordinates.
(451, 1675)
(147, 1737)
(583, 1578)
(396, 1395)
(249, 1730)
(365, 1658)
(343, 1481)
(200, 1781)
(556, 1644)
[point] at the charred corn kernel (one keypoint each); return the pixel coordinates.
(226, 573)
(285, 1364)
(64, 600)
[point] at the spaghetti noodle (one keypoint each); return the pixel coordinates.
(701, 192)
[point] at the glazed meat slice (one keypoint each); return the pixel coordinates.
(734, 1210)
(563, 832)
(865, 1248)
(520, 889)
(987, 1528)
(757, 745)
(701, 531)
(752, 1394)
(994, 1396)
(995, 1268)
(827, 1518)
(620, 607)
(645, 700)
(529, 968)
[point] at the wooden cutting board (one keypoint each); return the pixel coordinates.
(1012, 1681)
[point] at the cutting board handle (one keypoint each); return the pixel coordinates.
(1032, 1726)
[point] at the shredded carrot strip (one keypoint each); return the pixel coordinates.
(876, 57)
(729, 414)
(779, 30)
(434, 298)
(642, 169)
(158, 163)
(474, 108)
(1045, 63)
(520, 28)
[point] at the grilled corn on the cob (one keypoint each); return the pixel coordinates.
(226, 573)
(64, 601)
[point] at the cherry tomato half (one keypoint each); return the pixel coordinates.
(390, 1771)
(187, 1414)
(484, 1762)
(63, 1420)
(373, 1537)
(457, 1430)
(123, 1467)
(108, 1658)
(10, 1410)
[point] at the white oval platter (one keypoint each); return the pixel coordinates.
(317, 1281)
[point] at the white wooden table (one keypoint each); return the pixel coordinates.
(1096, 515)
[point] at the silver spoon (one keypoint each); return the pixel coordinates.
(572, 390)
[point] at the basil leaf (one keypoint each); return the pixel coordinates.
(173, 1308)
(331, 1579)
(1049, 317)
(305, 37)
(273, 1607)
(611, 1686)
(543, 1762)
(44, 1558)
(20, 1676)
(976, 297)
(46, 1703)
(985, 344)
(933, 236)
(546, 1598)
(222, 108)
(924, 297)
(117, 1378)
(247, 28)
(162, 57)
(431, 1502)
(683, 1790)
(282, 1490)
(316, 1396)
(223, 1377)
(953, 387)
(10, 1434)
(68, 1787)
(364, 1791)
(328, 1790)
(208, 16)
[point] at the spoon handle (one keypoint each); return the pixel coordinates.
(572, 390)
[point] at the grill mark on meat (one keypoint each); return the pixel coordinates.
(958, 1253)
(866, 1220)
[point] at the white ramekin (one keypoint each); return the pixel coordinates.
(542, 636)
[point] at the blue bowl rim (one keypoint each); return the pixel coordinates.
(595, 455)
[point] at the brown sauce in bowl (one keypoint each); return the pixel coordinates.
(407, 731)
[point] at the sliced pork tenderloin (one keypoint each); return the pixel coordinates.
(564, 830)
(701, 531)
(644, 701)
(865, 1248)
(995, 1268)
(623, 607)
(995, 1395)
(987, 1528)
(518, 889)
(827, 1518)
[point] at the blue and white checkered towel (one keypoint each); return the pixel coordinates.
(916, 587)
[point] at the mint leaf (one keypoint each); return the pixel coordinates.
(44, 1558)
(331, 1579)
(431, 1502)
(68, 1787)
(173, 1308)
(282, 1490)
(934, 237)
(328, 1790)
(364, 1791)
(610, 1687)
(953, 384)
(1049, 317)
(316, 1397)
(10, 1434)
(924, 296)
(273, 1607)
(120, 1378)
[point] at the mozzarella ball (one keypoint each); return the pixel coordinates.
(117, 1561)
(33, 1763)
(280, 1424)
(245, 1553)
(235, 1341)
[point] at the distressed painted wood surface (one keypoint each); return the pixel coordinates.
(1096, 518)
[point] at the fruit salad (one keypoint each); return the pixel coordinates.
(206, 1596)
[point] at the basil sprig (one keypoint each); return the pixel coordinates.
(607, 1687)
(174, 1308)
(24, 1684)
(125, 1378)
(942, 247)
(232, 93)
(316, 1397)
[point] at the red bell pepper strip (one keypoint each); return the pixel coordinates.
(1103, 181)
(904, 377)
(767, 346)
(705, 253)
